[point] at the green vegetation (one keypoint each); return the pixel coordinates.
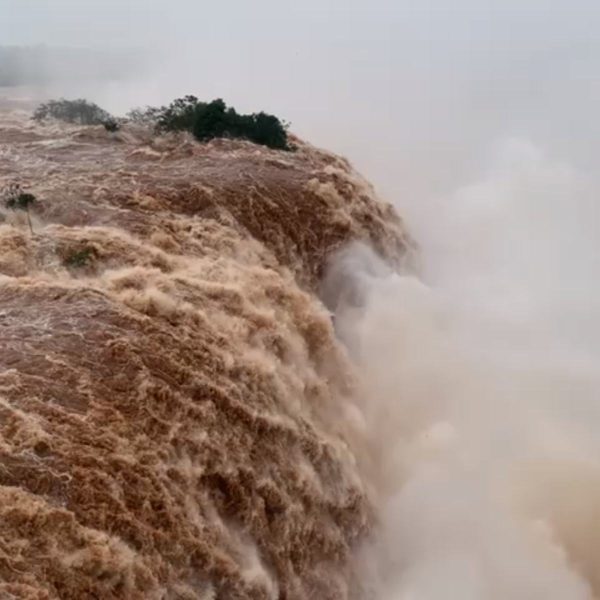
(205, 120)
(215, 119)
(21, 201)
(16, 199)
(180, 115)
(80, 258)
(112, 125)
(144, 116)
(80, 112)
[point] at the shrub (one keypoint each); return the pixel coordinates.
(144, 116)
(80, 112)
(215, 120)
(21, 201)
(80, 258)
(16, 199)
(268, 130)
(180, 115)
(112, 125)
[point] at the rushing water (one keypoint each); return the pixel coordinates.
(175, 409)
(222, 378)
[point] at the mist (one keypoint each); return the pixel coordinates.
(481, 390)
(479, 373)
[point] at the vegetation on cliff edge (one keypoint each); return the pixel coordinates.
(215, 119)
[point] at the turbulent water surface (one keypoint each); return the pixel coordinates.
(226, 374)
(175, 412)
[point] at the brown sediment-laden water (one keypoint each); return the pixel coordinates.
(175, 409)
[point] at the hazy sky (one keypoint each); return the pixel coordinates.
(415, 92)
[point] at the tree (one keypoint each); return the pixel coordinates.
(112, 125)
(16, 199)
(215, 119)
(80, 112)
(269, 131)
(179, 115)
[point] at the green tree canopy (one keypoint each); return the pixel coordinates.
(215, 119)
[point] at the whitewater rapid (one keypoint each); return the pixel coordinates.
(253, 385)
(175, 408)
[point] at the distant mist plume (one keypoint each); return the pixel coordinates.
(480, 389)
